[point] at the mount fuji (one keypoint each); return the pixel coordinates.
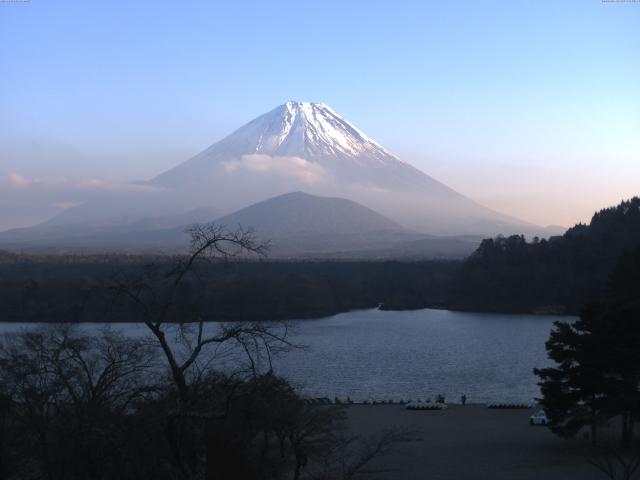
(302, 146)
(296, 147)
(308, 142)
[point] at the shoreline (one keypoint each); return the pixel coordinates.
(313, 316)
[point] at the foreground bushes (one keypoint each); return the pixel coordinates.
(74, 406)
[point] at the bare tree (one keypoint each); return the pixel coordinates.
(162, 295)
(159, 295)
(347, 457)
(271, 432)
(66, 391)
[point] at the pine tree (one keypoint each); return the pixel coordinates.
(597, 376)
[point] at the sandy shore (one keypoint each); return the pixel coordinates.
(474, 442)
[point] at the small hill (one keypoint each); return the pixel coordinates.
(298, 225)
(300, 214)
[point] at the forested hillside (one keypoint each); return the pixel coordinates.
(82, 288)
(556, 275)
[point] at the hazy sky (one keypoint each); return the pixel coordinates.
(532, 108)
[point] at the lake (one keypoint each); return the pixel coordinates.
(382, 355)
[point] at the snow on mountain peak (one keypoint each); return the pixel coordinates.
(308, 146)
(306, 130)
(305, 141)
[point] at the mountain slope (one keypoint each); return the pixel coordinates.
(311, 132)
(309, 147)
(56, 233)
(297, 146)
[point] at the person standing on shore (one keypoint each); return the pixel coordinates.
(463, 399)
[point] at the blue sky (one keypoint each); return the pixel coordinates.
(532, 108)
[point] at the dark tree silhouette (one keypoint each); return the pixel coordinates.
(66, 396)
(158, 295)
(597, 376)
(575, 392)
(560, 274)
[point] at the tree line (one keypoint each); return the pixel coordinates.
(51, 289)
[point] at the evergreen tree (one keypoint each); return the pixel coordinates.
(574, 393)
(597, 372)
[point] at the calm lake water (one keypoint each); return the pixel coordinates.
(372, 354)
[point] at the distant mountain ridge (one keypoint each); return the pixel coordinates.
(55, 230)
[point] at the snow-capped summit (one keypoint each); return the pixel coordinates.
(309, 130)
(303, 130)
(309, 147)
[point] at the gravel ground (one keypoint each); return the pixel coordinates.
(473, 442)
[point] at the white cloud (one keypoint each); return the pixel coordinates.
(291, 167)
(16, 181)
